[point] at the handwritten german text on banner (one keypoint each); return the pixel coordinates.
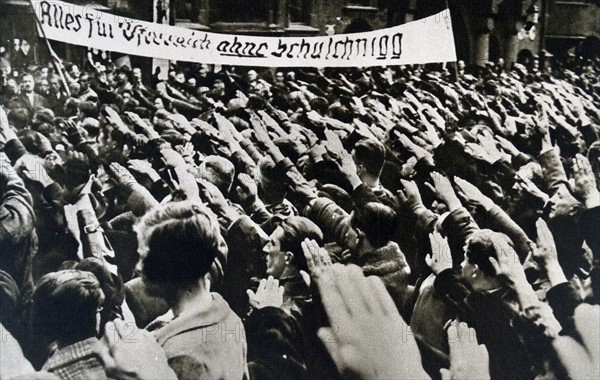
(422, 41)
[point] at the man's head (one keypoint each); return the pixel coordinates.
(44, 72)
(219, 171)
(123, 75)
(283, 251)
(159, 104)
(27, 83)
(180, 77)
(137, 75)
(43, 86)
(84, 81)
(279, 77)
(73, 71)
(372, 226)
(271, 184)
(476, 269)
(204, 70)
(178, 243)
(54, 84)
(11, 86)
(74, 88)
(66, 306)
(369, 157)
(86, 110)
(251, 76)
(563, 203)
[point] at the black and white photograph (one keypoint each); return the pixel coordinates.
(299, 189)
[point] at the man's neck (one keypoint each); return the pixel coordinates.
(370, 181)
(191, 298)
(289, 271)
(365, 247)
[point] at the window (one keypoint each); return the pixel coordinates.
(242, 11)
(299, 11)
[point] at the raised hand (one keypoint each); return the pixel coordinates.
(546, 252)
(147, 128)
(410, 195)
(260, 130)
(317, 258)
(73, 134)
(367, 339)
(348, 168)
(480, 153)
(32, 168)
(585, 181)
(440, 258)
(268, 294)
(416, 150)
(472, 195)
(489, 144)
(186, 150)
(172, 158)
(507, 267)
(144, 170)
(334, 144)
(132, 356)
(469, 360)
(213, 195)
(122, 177)
(581, 357)
(532, 189)
(113, 117)
(509, 147)
(443, 188)
(271, 123)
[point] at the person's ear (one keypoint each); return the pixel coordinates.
(289, 256)
(359, 169)
(360, 237)
(476, 271)
(574, 209)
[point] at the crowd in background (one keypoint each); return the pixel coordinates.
(437, 221)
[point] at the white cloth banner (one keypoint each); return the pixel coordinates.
(422, 41)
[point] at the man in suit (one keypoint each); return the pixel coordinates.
(28, 99)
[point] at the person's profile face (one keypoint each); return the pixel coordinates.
(562, 203)
(469, 272)
(274, 257)
(352, 235)
(75, 70)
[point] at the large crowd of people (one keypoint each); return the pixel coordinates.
(437, 221)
